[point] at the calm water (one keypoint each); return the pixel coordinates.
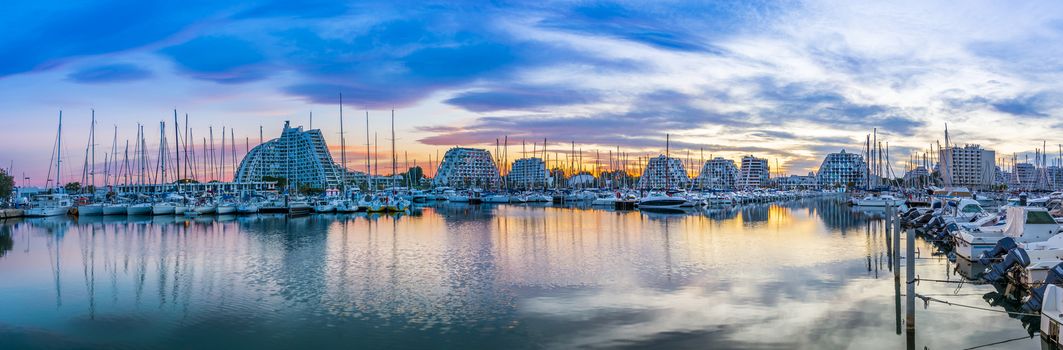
(801, 274)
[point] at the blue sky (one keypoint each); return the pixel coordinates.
(787, 80)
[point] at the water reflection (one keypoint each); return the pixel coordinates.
(799, 274)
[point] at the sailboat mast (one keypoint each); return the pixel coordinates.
(343, 151)
(93, 140)
(394, 158)
(59, 153)
(368, 155)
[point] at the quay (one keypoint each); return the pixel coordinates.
(11, 213)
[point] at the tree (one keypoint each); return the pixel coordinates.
(307, 190)
(281, 182)
(7, 185)
(72, 187)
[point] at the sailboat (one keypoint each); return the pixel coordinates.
(92, 209)
(58, 203)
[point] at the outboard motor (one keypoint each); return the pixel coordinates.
(947, 231)
(1015, 257)
(1003, 246)
(1036, 300)
(1023, 199)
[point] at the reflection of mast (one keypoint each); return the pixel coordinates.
(53, 259)
(88, 268)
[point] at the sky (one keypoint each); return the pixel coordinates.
(785, 80)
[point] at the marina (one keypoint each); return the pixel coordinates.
(456, 275)
(808, 174)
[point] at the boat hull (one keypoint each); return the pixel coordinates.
(90, 210)
(45, 212)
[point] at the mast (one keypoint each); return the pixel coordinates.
(177, 147)
(92, 137)
(394, 159)
(232, 148)
(221, 162)
(368, 155)
(59, 153)
(343, 151)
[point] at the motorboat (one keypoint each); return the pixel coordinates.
(346, 206)
(1023, 224)
(49, 205)
(884, 200)
(605, 199)
(660, 201)
(324, 206)
(299, 207)
(496, 198)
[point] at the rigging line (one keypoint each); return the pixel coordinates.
(928, 299)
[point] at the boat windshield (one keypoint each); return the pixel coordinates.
(971, 209)
(1039, 217)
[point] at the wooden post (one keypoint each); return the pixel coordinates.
(910, 262)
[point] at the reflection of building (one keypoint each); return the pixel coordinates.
(754, 172)
(300, 156)
(969, 166)
(718, 173)
(527, 172)
(842, 169)
(664, 173)
(466, 167)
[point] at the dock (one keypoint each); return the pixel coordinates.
(11, 213)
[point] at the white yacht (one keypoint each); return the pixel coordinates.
(660, 201)
(324, 206)
(116, 209)
(139, 209)
(49, 205)
(163, 208)
(884, 200)
(1024, 224)
(94, 209)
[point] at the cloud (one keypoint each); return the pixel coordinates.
(54, 35)
(109, 73)
(644, 125)
(521, 98)
(221, 59)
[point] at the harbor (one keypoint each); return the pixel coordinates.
(809, 174)
(815, 273)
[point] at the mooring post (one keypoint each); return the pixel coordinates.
(910, 262)
(896, 243)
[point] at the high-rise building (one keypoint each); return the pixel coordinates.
(1025, 177)
(664, 173)
(969, 166)
(754, 172)
(842, 169)
(527, 173)
(301, 157)
(465, 168)
(718, 174)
